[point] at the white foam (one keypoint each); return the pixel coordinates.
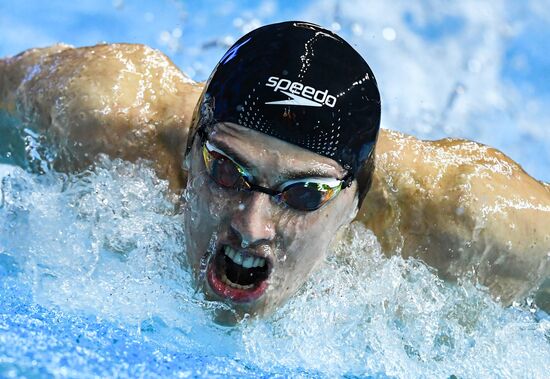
(6, 169)
(109, 243)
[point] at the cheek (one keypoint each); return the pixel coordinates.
(306, 238)
(304, 242)
(302, 248)
(204, 211)
(205, 199)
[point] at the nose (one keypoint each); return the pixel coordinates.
(252, 222)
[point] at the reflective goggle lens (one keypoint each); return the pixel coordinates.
(302, 195)
(223, 170)
(308, 196)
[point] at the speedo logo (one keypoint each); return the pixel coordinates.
(300, 94)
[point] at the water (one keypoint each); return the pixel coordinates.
(465, 69)
(92, 267)
(94, 284)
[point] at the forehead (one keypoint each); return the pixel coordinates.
(260, 150)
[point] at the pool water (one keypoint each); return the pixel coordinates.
(93, 283)
(92, 265)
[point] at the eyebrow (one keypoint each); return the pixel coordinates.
(243, 161)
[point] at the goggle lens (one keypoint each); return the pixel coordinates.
(307, 196)
(223, 170)
(301, 195)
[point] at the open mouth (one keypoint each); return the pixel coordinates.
(238, 275)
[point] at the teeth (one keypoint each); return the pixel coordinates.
(230, 253)
(238, 258)
(245, 260)
(247, 263)
(235, 285)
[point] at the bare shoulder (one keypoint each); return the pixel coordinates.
(126, 100)
(463, 207)
(453, 162)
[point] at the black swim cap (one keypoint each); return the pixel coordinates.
(303, 84)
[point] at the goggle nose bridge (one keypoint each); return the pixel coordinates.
(251, 187)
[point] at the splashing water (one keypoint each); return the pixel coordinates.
(94, 283)
(92, 268)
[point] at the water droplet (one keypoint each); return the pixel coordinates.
(389, 34)
(176, 33)
(357, 29)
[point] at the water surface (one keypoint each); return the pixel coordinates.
(92, 265)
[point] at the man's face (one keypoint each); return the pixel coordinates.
(246, 248)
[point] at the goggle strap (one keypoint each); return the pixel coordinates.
(347, 180)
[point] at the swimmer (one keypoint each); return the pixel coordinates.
(277, 153)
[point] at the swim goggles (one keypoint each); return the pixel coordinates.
(301, 194)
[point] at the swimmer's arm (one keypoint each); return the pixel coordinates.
(464, 209)
(509, 211)
(127, 101)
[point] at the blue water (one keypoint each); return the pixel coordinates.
(466, 69)
(93, 284)
(91, 266)
(44, 342)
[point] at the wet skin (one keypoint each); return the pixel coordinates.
(293, 242)
(462, 207)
